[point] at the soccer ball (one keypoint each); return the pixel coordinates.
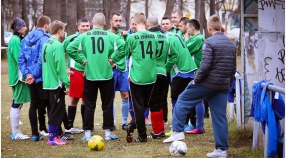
(178, 148)
(96, 142)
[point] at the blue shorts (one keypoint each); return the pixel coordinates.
(120, 80)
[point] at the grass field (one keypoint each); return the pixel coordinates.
(198, 145)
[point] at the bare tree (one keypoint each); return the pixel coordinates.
(25, 13)
(146, 8)
(127, 17)
(16, 8)
(212, 7)
(53, 9)
(71, 17)
(109, 7)
(80, 9)
(169, 7)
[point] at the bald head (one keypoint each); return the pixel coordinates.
(98, 19)
(152, 21)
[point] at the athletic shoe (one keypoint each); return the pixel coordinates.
(57, 141)
(156, 136)
(36, 138)
(129, 134)
(66, 137)
(142, 140)
(85, 138)
(148, 122)
(188, 127)
(195, 131)
(19, 136)
(74, 131)
(175, 136)
(111, 137)
(124, 126)
(165, 122)
(44, 133)
(217, 153)
(168, 134)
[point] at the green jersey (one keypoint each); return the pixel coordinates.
(177, 31)
(121, 64)
(71, 63)
(54, 65)
(141, 47)
(185, 63)
(14, 73)
(97, 45)
(164, 53)
(195, 45)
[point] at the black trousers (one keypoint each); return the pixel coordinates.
(39, 103)
(158, 94)
(57, 102)
(165, 96)
(106, 88)
(140, 96)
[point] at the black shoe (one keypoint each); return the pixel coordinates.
(207, 115)
(66, 137)
(129, 136)
(156, 136)
(124, 126)
(142, 140)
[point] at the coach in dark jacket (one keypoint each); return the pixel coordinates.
(212, 82)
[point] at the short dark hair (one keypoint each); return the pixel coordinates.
(112, 14)
(179, 12)
(43, 20)
(83, 19)
(185, 20)
(56, 26)
(166, 18)
(195, 23)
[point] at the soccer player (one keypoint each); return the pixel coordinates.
(76, 74)
(176, 17)
(160, 90)
(184, 69)
(55, 79)
(212, 82)
(97, 46)
(195, 40)
(142, 47)
(166, 24)
(120, 72)
(20, 90)
(30, 63)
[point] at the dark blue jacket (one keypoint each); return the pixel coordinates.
(30, 59)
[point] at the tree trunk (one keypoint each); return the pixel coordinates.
(25, 14)
(71, 17)
(146, 8)
(16, 9)
(106, 12)
(203, 20)
(3, 23)
(80, 9)
(197, 9)
(109, 7)
(64, 12)
(53, 9)
(127, 17)
(169, 7)
(181, 5)
(212, 7)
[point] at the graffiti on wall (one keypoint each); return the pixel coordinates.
(271, 4)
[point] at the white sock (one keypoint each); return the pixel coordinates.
(14, 119)
(107, 132)
(87, 133)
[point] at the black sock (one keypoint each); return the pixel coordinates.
(71, 115)
(82, 112)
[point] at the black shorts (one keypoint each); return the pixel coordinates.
(178, 85)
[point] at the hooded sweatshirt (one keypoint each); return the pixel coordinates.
(30, 61)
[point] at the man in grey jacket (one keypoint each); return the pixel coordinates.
(212, 82)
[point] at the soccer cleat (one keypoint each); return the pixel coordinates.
(85, 138)
(36, 138)
(175, 136)
(156, 136)
(44, 133)
(142, 140)
(169, 133)
(111, 137)
(74, 131)
(217, 153)
(148, 122)
(188, 127)
(124, 126)
(19, 136)
(129, 132)
(66, 137)
(57, 141)
(195, 131)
